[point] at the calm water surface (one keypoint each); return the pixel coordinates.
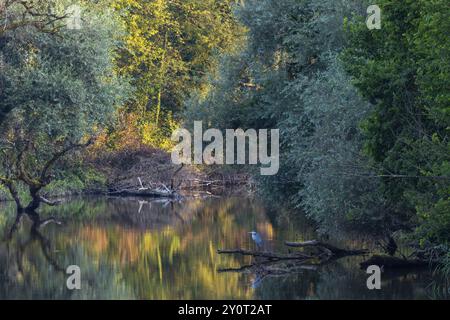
(131, 249)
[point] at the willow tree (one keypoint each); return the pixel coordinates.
(289, 76)
(61, 89)
(32, 14)
(37, 14)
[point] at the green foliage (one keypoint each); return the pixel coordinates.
(392, 175)
(404, 70)
(64, 84)
(289, 77)
(61, 89)
(364, 115)
(17, 15)
(169, 47)
(78, 182)
(22, 191)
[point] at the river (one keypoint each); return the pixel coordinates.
(136, 249)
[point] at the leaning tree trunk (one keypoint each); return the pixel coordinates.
(15, 195)
(35, 199)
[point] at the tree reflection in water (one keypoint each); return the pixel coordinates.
(140, 249)
(35, 237)
(26, 252)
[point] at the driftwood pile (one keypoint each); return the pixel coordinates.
(174, 187)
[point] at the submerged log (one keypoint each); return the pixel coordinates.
(329, 249)
(252, 267)
(162, 191)
(267, 255)
(395, 262)
(143, 193)
(328, 252)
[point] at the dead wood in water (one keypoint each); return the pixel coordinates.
(327, 248)
(280, 263)
(274, 264)
(300, 266)
(327, 252)
(267, 255)
(161, 191)
(142, 193)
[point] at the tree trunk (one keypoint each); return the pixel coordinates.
(15, 195)
(35, 199)
(162, 71)
(158, 107)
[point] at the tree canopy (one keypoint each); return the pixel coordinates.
(61, 88)
(363, 114)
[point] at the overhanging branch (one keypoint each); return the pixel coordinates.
(58, 155)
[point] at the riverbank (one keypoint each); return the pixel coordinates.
(106, 173)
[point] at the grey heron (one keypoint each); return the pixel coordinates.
(257, 238)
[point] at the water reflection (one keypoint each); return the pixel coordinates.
(138, 249)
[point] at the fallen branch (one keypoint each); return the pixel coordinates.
(141, 185)
(239, 269)
(329, 249)
(267, 255)
(251, 267)
(275, 263)
(155, 193)
(160, 191)
(50, 203)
